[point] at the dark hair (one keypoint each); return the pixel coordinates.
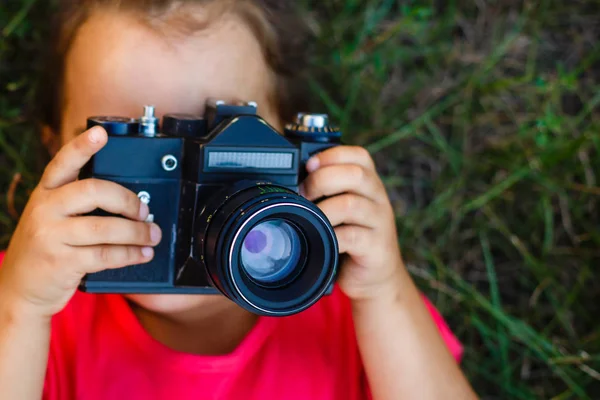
(283, 34)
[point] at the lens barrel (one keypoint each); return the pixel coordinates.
(267, 248)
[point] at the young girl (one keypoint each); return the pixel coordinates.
(374, 337)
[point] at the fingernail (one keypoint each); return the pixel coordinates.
(147, 252)
(155, 233)
(144, 211)
(95, 135)
(312, 164)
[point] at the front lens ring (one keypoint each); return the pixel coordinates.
(317, 275)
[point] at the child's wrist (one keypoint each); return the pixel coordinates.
(16, 310)
(395, 292)
(392, 296)
(14, 315)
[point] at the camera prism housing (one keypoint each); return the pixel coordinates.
(224, 190)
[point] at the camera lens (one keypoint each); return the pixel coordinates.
(267, 248)
(271, 251)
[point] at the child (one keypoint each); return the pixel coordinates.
(374, 337)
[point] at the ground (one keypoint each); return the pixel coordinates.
(483, 119)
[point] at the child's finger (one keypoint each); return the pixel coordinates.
(65, 166)
(92, 259)
(354, 240)
(351, 209)
(349, 178)
(86, 195)
(341, 155)
(89, 231)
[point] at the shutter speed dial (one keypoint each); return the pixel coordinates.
(313, 127)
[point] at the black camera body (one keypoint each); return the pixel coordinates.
(223, 189)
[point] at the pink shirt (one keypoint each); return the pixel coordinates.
(99, 351)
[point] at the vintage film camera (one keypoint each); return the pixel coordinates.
(223, 189)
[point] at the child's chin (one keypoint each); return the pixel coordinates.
(170, 303)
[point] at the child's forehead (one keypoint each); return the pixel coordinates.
(116, 64)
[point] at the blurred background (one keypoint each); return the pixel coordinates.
(483, 119)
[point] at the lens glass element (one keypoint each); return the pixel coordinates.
(271, 251)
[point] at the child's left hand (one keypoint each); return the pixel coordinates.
(358, 207)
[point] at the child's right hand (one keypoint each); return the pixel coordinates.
(55, 245)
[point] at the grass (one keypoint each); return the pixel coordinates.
(483, 119)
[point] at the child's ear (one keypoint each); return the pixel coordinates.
(50, 140)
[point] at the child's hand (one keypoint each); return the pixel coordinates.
(54, 246)
(357, 206)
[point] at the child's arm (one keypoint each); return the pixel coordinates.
(24, 342)
(401, 348)
(53, 247)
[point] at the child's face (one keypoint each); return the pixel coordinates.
(116, 65)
